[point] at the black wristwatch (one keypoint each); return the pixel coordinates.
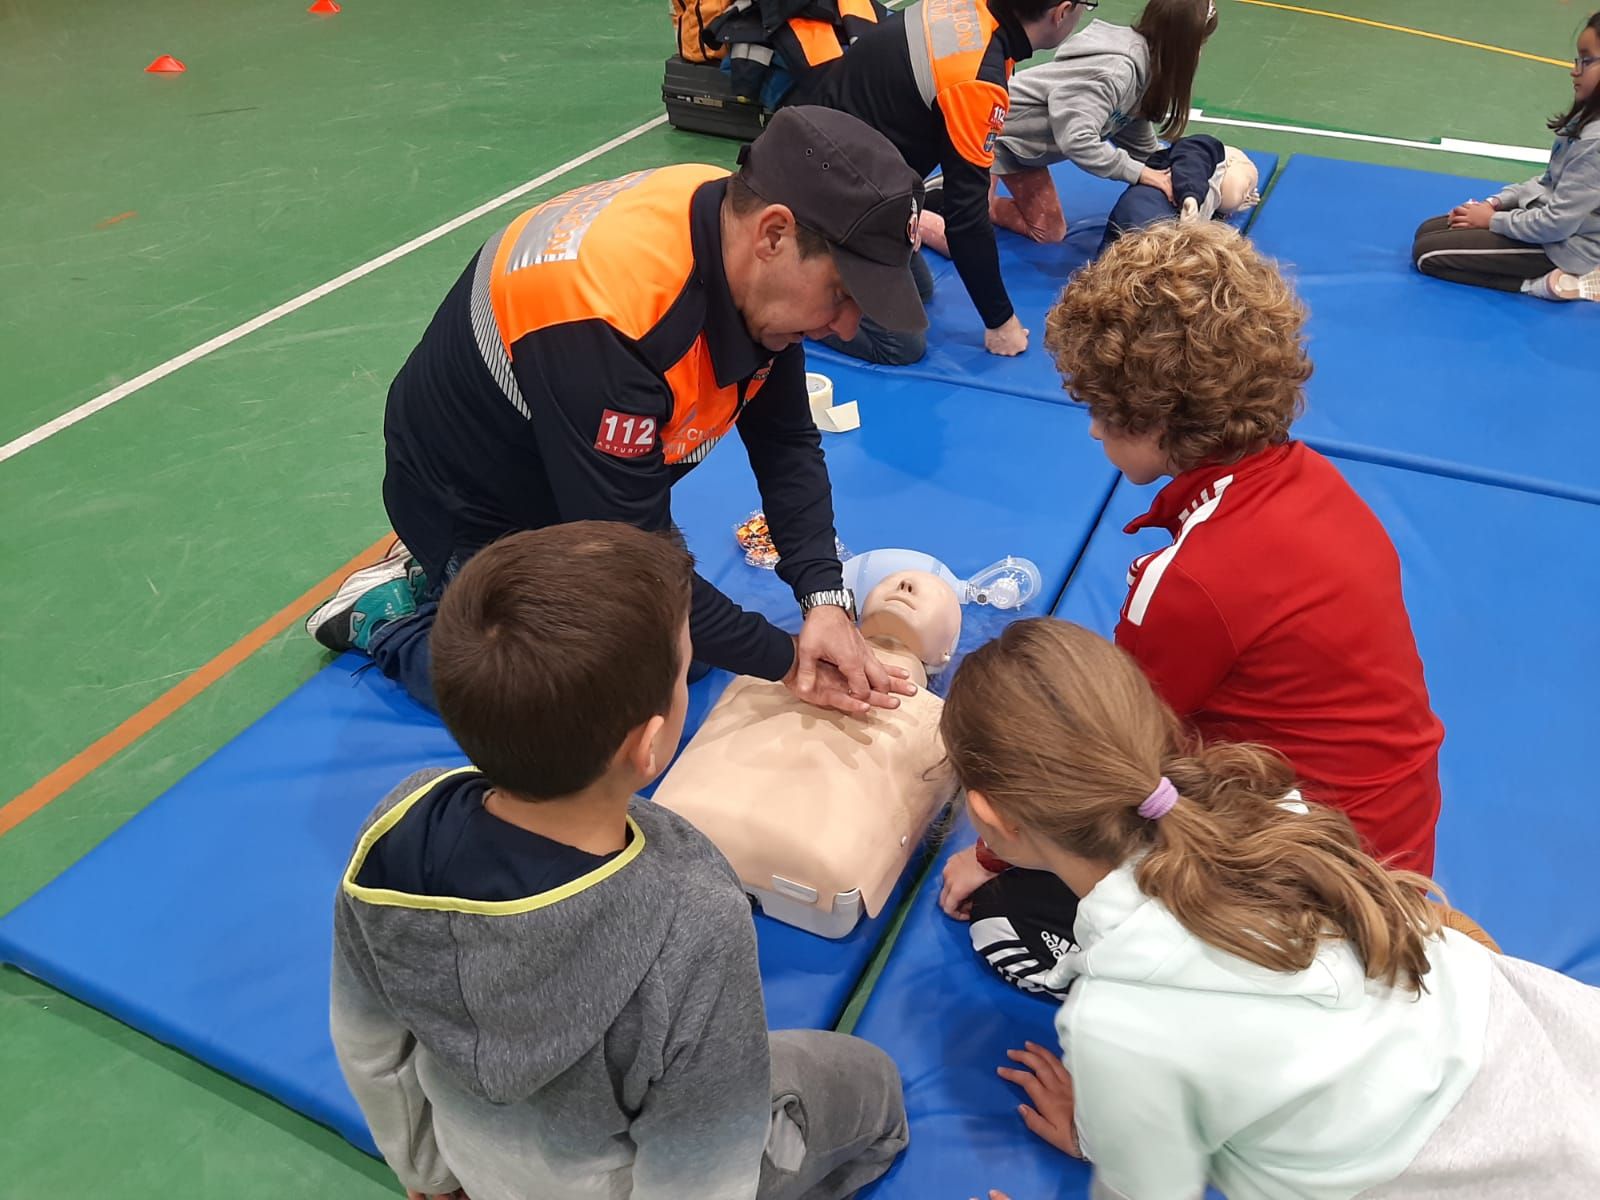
(836, 597)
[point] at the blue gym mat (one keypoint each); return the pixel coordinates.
(1034, 276)
(1413, 371)
(947, 1022)
(1501, 589)
(205, 920)
(1410, 371)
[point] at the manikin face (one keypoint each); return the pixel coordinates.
(791, 298)
(1586, 78)
(1138, 456)
(919, 611)
(1239, 181)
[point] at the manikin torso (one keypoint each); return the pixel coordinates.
(814, 809)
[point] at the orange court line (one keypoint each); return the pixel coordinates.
(1422, 33)
(94, 756)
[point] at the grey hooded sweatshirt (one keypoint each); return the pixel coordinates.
(1067, 109)
(604, 1039)
(1559, 210)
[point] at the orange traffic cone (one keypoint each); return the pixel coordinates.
(165, 65)
(324, 8)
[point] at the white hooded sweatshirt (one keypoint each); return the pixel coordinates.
(1192, 1065)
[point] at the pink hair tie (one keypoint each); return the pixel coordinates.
(1159, 802)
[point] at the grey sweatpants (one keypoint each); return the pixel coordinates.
(838, 1116)
(1477, 256)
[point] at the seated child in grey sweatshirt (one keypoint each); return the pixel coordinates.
(545, 986)
(1540, 237)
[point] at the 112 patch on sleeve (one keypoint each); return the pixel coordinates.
(625, 435)
(997, 122)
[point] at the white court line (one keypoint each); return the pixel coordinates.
(1444, 145)
(122, 391)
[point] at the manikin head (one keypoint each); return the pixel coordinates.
(919, 611)
(1239, 182)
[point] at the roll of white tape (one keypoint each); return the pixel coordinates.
(819, 390)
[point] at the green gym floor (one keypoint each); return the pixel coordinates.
(144, 215)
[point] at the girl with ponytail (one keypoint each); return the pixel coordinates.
(1251, 1001)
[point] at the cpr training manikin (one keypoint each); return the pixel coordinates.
(819, 812)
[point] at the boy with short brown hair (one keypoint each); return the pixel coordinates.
(543, 986)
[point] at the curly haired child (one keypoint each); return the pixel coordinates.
(1276, 614)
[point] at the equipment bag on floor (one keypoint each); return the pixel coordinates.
(691, 20)
(764, 39)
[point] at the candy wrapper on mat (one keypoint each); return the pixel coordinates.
(755, 539)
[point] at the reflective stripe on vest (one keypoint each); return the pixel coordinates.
(486, 332)
(618, 251)
(948, 40)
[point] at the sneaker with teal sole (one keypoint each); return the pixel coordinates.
(417, 581)
(366, 600)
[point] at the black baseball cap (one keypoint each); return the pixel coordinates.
(845, 180)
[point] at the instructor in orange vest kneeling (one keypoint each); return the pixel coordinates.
(597, 348)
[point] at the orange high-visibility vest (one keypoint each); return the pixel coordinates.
(948, 40)
(618, 251)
